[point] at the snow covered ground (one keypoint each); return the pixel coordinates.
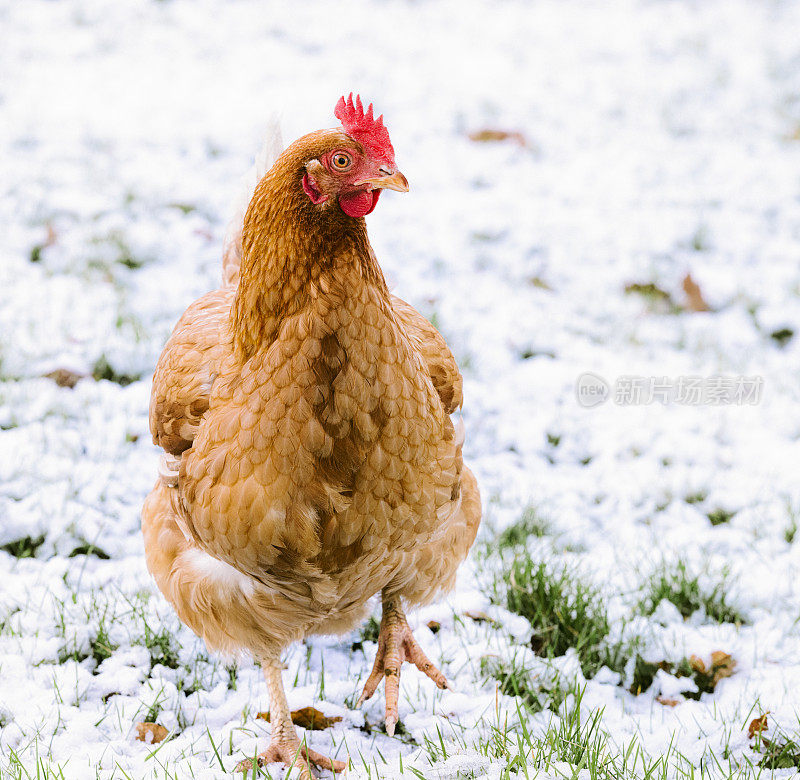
(660, 139)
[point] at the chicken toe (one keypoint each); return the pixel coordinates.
(285, 746)
(287, 749)
(396, 644)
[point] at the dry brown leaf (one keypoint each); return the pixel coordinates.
(667, 702)
(722, 665)
(150, 732)
(757, 725)
(63, 377)
(695, 296)
(434, 625)
(490, 134)
(698, 664)
(307, 718)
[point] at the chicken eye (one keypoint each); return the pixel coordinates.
(341, 161)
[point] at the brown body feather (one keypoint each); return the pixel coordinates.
(306, 414)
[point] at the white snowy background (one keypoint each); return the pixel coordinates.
(660, 138)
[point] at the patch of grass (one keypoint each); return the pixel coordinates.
(529, 353)
(564, 611)
(102, 369)
(514, 678)
(5, 623)
(675, 584)
(644, 672)
(162, 648)
(124, 254)
(705, 677)
(530, 523)
(369, 632)
(790, 532)
(154, 710)
(657, 299)
(700, 242)
(780, 752)
(100, 645)
(90, 549)
(130, 262)
(233, 676)
(582, 743)
(21, 765)
(185, 208)
(648, 290)
(696, 498)
(189, 681)
(25, 547)
(720, 516)
(573, 745)
(782, 336)
(160, 643)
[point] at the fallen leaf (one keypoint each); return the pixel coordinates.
(696, 300)
(668, 702)
(489, 135)
(757, 725)
(478, 617)
(150, 732)
(722, 665)
(63, 377)
(434, 625)
(698, 664)
(307, 718)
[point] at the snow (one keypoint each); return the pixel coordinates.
(662, 139)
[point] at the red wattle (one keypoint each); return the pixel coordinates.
(359, 203)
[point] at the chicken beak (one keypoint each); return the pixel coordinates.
(390, 181)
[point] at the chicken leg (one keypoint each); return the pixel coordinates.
(285, 746)
(396, 644)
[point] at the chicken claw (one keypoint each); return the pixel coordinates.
(285, 746)
(396, 644)
(288, 750)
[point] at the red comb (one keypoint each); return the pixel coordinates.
(367, 131)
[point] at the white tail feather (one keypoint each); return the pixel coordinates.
(232, 245)
(460, 431)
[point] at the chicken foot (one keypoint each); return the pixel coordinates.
(285, 746)
(396, 644)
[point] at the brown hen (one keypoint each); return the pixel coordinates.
(310, 459)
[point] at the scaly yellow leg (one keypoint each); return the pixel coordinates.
(396, 644)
